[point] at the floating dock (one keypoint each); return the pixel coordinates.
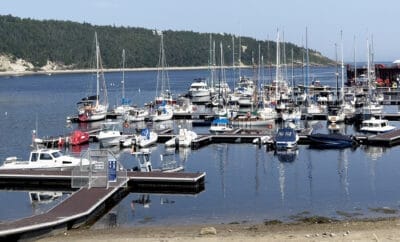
(388, 139)
(87, 204)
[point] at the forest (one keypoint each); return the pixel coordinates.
(72, 44)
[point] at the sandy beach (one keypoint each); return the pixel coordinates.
(364, 230)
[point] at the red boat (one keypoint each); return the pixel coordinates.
(79, 137)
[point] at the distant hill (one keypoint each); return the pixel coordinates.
(71, 45)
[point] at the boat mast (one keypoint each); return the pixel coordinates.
(240, 57)
(342, 88)
(307, 61)
(233, 58)
(210, 63)
(368, 68)
(355, 62)
(337, 73)
(123, 75)
(97, 69)
(277, 65)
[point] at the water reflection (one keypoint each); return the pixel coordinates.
(220, 156)
(288, 155)
(374, 152)
(343, 166)
(42, 201)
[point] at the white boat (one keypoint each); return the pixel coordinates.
(125, 106)
(145, 165)
(44, 159)
(163, 91)
(186, 137)
(262, 139)
(249, 120)
(136, 115)
(220, 125)
(110, 134)
(315, 108)
(183, 106)
(162, 113)
(199, 88)
(291, 114)
(374, 125)
(146, 138)
(94, 108)
(286, 138)
(183, 139)
(372, 108)
(336, 115)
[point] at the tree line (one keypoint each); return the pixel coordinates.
(72, 44)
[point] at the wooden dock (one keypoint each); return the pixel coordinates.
(80, 208)
(87, 204)
(385, 139)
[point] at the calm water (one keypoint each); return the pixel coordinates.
(243, 182)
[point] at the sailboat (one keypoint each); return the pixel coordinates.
(94, 108)
(163, 92)
(125, 106)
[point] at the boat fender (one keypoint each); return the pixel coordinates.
(126, 124)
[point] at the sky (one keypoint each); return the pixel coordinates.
(360, 21)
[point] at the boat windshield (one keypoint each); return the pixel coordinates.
(56, 154)
(34, 156)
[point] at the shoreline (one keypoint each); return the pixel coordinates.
(107, 70)
(351, 230)
(110, 70)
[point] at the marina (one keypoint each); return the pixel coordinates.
(248, 153)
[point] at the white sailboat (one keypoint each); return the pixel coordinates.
(94, 108)
(125, 106)
(163, 91)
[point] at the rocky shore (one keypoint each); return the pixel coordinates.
(359, 230)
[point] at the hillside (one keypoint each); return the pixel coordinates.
(70, 45)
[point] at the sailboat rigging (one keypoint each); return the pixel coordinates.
(94, 108)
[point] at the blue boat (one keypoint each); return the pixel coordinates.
(331, 141)
(286, 138)
(220, 125)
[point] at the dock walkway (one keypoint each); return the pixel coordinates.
(85, 204)
(67, 214)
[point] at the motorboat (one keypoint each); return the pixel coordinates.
(262, 139)
(250, 120)
(374, 125)
(146, 138)
(143, 157)
(162, 113)
(220, 125)
(110, 133)
(136, 115)
(336, 115)
(79, 137)
(334, 140)
(44, 159)
(291, 114)
(199, 88)
(183, 139)
(286, 138)
(183, 106)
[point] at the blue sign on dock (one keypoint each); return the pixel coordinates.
(112, 170)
